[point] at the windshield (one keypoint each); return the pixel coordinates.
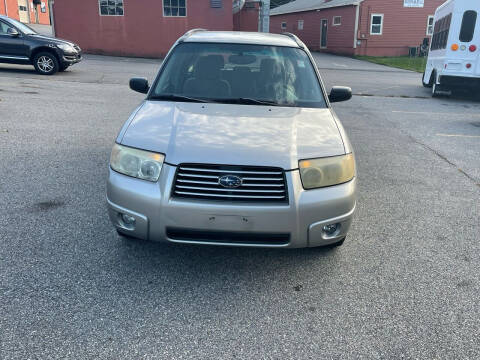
(240, 74)
(22, 27)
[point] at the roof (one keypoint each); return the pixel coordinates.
(240, 37)
(307, 5)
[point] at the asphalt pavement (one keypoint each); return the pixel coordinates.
(405, 284)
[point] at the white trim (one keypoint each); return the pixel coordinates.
(298, 24)
(176, 16)
(428, 24)
(321, 33)
(381, 24)
(336, 17)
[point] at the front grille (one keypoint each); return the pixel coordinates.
(228, 237)
(258, 184)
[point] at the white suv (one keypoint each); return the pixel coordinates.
(235, 144)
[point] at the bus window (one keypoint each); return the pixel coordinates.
(468, 26)
(441, 31)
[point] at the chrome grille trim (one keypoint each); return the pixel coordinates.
(235, 171)
(259, 184)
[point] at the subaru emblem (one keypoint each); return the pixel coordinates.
(230, 181)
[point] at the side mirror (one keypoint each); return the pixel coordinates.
(13, 32)
(139, 85)
(340, 93)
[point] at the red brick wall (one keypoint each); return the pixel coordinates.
(340, 39)
(12, 7)
(402, 27)
(43, 18)
(247, 19)
(143, 31)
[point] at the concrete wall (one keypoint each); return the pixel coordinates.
(340, 39)
(142, 31)
(402, 27)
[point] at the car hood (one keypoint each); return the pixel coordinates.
(233, 134)
(49, 39)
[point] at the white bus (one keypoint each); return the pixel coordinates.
(454, 58)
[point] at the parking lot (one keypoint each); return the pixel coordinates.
(404, 285)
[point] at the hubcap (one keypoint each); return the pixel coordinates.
(45, 63)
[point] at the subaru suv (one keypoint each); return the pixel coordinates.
(20, 44)
(235, 144)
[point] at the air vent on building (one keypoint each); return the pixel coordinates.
(216, 3)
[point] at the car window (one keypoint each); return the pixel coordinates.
(3, 28)
(220, 72)
(22, 27)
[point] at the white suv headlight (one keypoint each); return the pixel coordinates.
(141, 164)
(317, 173)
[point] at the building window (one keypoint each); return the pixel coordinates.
(300, 25)
(337, 20)
(441, 30)
(22, 8)
(430, 25)
(216, 3)
(111, 7)
(174, 7)
(376, 24)
(283, 26)
(468, 26)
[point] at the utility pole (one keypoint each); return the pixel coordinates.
(264, 16)
(50, 13)
(6, 7)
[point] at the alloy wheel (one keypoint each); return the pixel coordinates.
(45, 64)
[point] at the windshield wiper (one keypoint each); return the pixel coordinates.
(248, 101)
(173, 97)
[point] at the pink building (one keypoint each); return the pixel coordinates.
(144, 27)
(357, 27)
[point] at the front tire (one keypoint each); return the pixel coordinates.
(63, 67)
(337, 244)
(46, 63)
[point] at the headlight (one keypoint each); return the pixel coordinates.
(67, 48)
(329, 171)
(141, 164)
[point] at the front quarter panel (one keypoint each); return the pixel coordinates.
(127, 123)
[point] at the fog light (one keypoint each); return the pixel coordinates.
(469, 66)
(331, 229)
(128, 220)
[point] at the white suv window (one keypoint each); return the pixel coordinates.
(227, 73)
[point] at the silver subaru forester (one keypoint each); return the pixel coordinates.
(235, 144)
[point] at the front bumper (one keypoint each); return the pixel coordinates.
(460, 82)
(70, 59)
(158, 215)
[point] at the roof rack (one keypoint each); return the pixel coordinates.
(191, 32)
(295, 38)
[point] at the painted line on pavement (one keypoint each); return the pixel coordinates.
(433, 113)
(455, 135)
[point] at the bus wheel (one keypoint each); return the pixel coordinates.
(436, 90)
(429, 84)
